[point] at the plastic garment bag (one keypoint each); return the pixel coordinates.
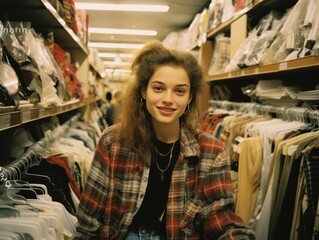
(25, 67)
(308, 31)
(9, 81)
(285, 40)
(47, 70)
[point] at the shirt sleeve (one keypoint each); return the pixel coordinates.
(93, 199)
(217, 218)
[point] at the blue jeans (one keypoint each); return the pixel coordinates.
(141, 236)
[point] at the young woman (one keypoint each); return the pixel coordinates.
(154, 175)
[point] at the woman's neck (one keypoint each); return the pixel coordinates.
(167, 133)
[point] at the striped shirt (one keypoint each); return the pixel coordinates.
(200, 201)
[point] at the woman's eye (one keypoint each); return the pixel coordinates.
(157, 88)
(180, 91)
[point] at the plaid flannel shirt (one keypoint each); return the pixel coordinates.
(200, 203)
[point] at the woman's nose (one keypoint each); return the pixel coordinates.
(167, 97)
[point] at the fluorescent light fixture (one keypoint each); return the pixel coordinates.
(122, 7)
(113, 55)
(122, 31)
(107, 55)
(116, 63)
(110, 70)
(115, 45)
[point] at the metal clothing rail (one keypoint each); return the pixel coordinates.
(33, 155)
(285, 113)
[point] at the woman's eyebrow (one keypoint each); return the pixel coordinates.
(177, 85)
(157, 81)
(183, 85)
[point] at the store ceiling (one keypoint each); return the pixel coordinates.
(179, 16)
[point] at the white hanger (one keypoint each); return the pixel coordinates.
(9, 235)
(16, 225)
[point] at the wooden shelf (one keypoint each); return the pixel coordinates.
(96, 71)
(304, 64)
(43, 18)
(16, 118)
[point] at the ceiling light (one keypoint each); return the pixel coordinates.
(110, 70)
(116, 63)
(115, 45)
(122, 31)
(113, 55)
(107, 55)
(122, 7)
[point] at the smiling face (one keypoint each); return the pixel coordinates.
(167, 95)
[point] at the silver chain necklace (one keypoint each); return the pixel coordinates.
(169, 161)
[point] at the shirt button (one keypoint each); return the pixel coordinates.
(142, 195)
(144, 179)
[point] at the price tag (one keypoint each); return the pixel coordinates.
(26, 116)
(41, 112)
(283, 66)
(5, 121)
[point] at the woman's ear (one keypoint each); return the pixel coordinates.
(190, 98)
(143, 92)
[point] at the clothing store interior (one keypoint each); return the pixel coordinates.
(65, 64)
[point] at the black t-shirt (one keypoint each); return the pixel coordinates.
(151, 214)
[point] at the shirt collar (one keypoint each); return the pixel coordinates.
(189, 143)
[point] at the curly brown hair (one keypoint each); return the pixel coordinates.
(136, 125)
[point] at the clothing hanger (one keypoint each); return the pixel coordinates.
(39, 188)
(29, 226)
(17, 183)
(26, 210)
(7, 200)
(285, 113)
(8, 211)
(33, 155)
(11, 195)
(313, 117)
(37, 210)
(26, 167)
(24, 190)
(4, 235)
(8, 197)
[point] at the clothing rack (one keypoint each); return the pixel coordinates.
(33, 155)
(285, 113)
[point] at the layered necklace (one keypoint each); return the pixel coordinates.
(170, 154)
